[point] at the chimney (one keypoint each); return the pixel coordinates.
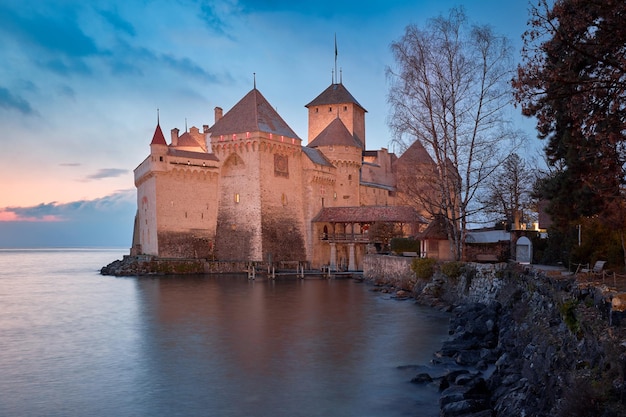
(218, 114)
(205, 128)
(175, 136)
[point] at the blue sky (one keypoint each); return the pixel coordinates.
(81, 82)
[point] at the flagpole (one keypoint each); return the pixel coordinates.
(334, 78)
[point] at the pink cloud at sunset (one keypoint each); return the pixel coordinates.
(7, 215)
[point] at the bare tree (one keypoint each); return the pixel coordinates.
(508, 193)
(449, 91)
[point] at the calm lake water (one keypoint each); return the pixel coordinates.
(74, 343)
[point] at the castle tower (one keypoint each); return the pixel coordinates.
(176, 207)
(336, 101)
(260, 213)
(344, 150)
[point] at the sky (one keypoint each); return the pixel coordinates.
(81, 82)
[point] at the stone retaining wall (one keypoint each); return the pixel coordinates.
(389, 270)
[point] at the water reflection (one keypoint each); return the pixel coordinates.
(226, 346)
(74, 343)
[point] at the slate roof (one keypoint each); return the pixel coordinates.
(316, 156)
(186, 139)
(416, 153)
(334, 94)
(158, 138)
(191, 154)
(436, 230)
(368, 214)
(253, 113)
(336, 133)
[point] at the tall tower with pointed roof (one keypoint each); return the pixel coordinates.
(260, 213)
(336, 102)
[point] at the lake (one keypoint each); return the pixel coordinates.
(75, 343)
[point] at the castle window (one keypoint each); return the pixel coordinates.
(317, 110)
(284, 199)
(330, 109)
(161, 158)
(345, 108)
(237, 198)
(350, 177)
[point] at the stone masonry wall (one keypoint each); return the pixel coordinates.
(389, 270)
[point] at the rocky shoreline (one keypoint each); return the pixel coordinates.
(524, 344)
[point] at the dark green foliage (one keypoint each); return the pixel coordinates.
(598, 242)
(568, 311)
(572, 81)
(452, 269)
(399, 245)
(424, 268)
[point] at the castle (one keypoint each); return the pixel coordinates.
(247, 189)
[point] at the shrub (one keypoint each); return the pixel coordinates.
(568, 311)
(399, 245)
(452, 269)
(424, 268)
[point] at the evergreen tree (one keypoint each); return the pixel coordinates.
(573, 80)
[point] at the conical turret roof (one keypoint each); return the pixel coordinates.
(253, 113)
(158, 138)
(336, 133)
(334, 94)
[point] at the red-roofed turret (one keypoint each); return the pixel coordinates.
(158, 138)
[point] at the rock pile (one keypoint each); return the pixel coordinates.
(538, 348)
(466, 360)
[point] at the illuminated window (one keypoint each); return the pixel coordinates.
(284, 199)
(237, 198)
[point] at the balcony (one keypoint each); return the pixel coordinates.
(346, 237)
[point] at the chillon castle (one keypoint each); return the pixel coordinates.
(248, 188)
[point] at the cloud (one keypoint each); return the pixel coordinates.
(82, 209)
(106, 221)
(119, 23)
(107, 173)
(188, 67)
(216, 15)
(13, 102)
(56, 32)
(70, 164)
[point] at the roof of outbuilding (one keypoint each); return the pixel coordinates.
(368, 214)
(334, 94)
(436, 230)
(336, 133)
(253, 113)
